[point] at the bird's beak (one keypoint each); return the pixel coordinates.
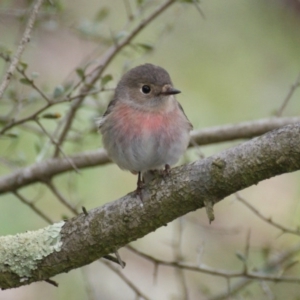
(169, 90)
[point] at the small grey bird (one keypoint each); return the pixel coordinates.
(144, 127)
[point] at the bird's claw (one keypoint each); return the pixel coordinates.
(139, 187)
(166, 171)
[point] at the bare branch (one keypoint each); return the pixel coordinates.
(32, 117)
(25, 39)
(36, 114)
(86, 238)
(243, 130)
(267, 220)
(45, 170)
(271, 264)
(253, 275)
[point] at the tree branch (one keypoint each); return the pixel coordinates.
(269, 220)
(45, 170)
(25, 39)
(85, 238)
(257, 275)
(274, 263)
(243, 130)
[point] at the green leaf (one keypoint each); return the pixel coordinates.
(105, 79)
(58, 91)
(101, 14)
(26, 81)
(80, 73)
(52, 116)
(12, 135)
(241, 256)
(23, 65)
(146, 47)
(35, 74)
(37, 147)
(139, 2)
(65, 217)
(121, 35)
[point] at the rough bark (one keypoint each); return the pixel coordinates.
(86, 238)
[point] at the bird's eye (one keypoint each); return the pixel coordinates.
(146, 89)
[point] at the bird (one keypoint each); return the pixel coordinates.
(144, 127)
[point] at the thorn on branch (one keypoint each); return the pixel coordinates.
(113, 259)
(84, 211)
(121, 262)
(209, 210)
(52, 282)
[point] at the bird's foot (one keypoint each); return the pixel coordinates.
(166, 171)
(139, 187)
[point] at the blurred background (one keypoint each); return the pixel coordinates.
(233, 60)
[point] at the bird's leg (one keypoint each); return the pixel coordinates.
(139, 186)
(166, 171)
(140, 182)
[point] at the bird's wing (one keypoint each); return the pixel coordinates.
(102, 119)
(191, 126)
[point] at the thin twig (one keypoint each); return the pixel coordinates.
(128, 9)
(33, 207)
(33, 85)
(177, 244)
(228, 284)
(199, 9)
(61, 198)
(55, 143)
(25, 39)
(271, 264)
(293, 88)
(266, 290)
(267, 220)
(255, 275)
(126, 280)
(247, 250)
(32, 117)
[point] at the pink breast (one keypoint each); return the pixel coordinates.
(134, 121)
